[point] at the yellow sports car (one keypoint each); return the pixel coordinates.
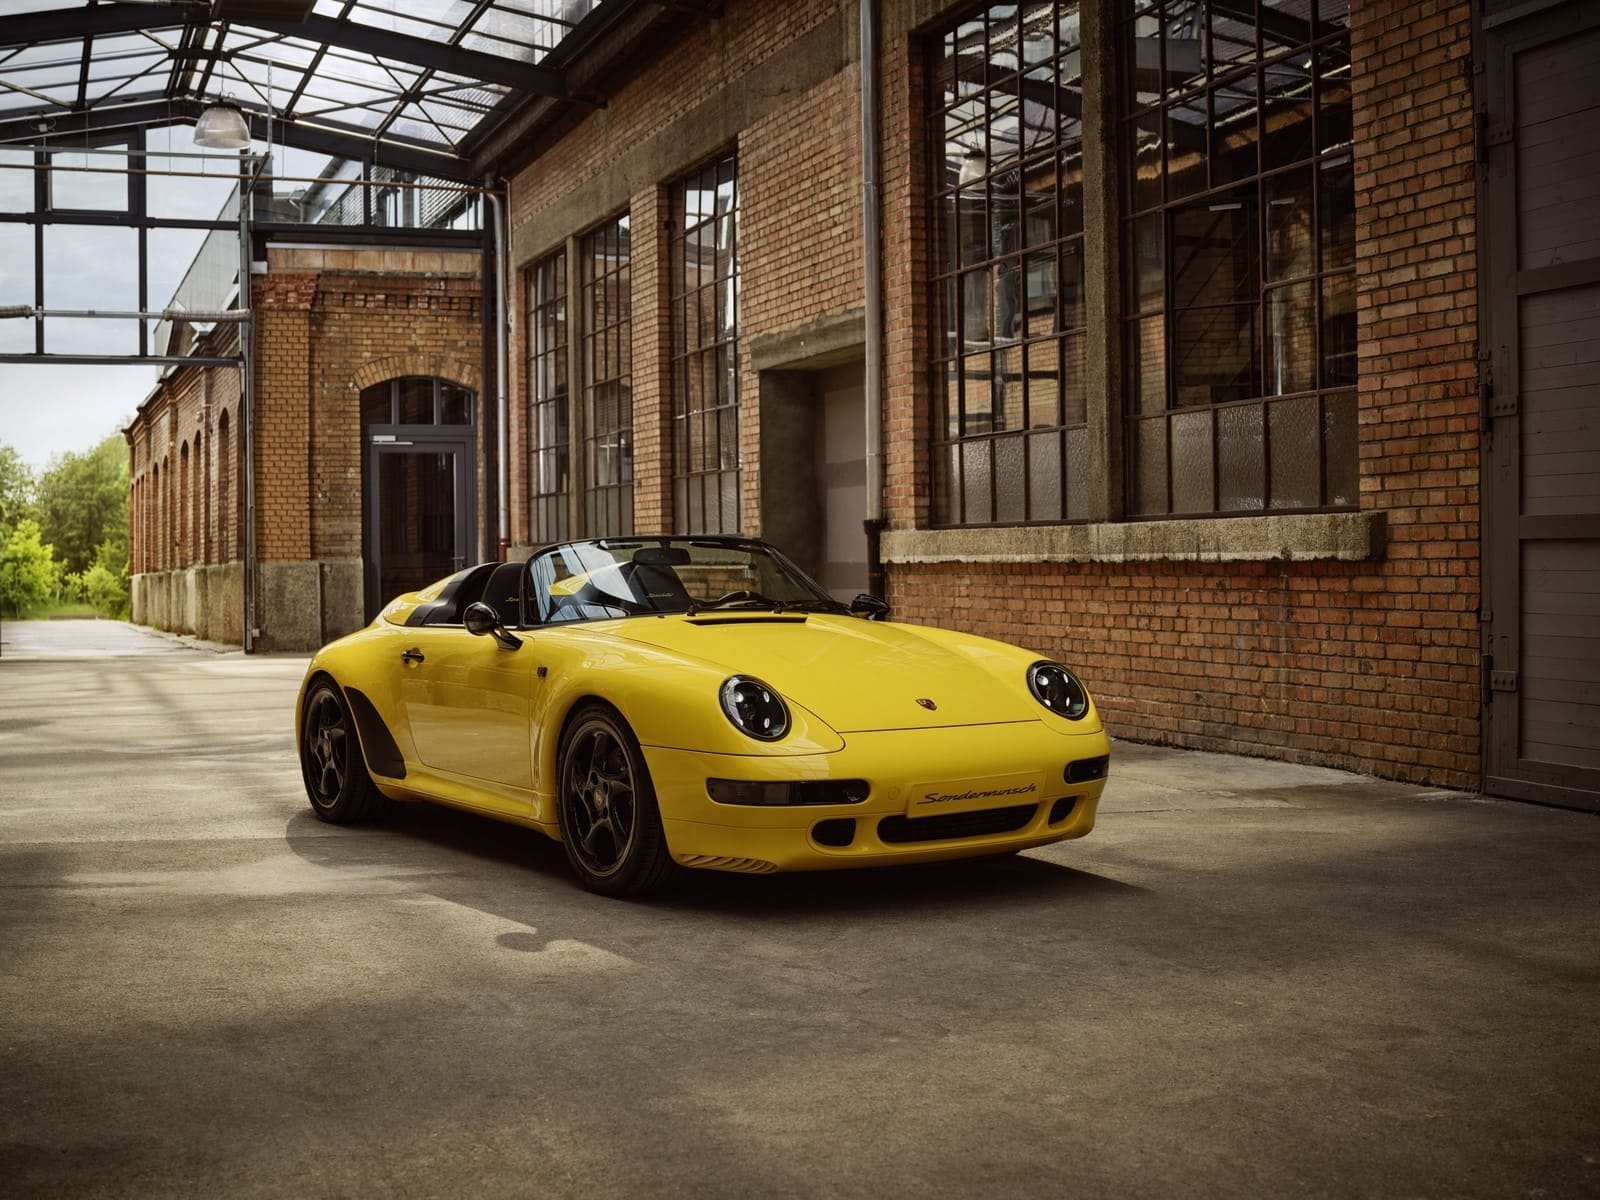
(698, 702)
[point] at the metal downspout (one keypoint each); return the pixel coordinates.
(247, 406)
(502, 348)
(872, 269)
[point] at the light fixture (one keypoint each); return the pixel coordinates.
(222, 127)
(973, 167)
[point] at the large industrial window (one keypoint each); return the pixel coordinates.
(1239, 244)
(1010, 435)
(547, 398)
(607, 463)
(704, 289)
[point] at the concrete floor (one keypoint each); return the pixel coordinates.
(1252, 979)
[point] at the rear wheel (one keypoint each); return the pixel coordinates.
(336, 779)
(610, 825)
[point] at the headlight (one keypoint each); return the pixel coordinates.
(1058, 689)
(754, 708)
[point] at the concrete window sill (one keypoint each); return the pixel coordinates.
(1344, 537)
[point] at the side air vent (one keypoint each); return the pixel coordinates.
(383, 756)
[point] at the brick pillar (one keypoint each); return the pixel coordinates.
(652, 363)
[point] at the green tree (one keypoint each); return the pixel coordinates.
(83, 501)
(105, 583)
(28, 570)
(16, 490)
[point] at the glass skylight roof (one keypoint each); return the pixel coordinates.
(387, 76)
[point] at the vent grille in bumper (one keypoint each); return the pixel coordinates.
(950, 826)
(711, 862)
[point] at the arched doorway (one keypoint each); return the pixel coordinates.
(419, 434)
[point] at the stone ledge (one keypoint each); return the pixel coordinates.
(1343, 537)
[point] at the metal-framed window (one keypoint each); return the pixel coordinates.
(548, 415)
(704, 297)
(1010, 437)
(416, 400)
(607, 380)
(1239, 246)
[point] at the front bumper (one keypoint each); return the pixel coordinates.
(937, 794)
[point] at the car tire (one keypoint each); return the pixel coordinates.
(331, 764)
(610, 824)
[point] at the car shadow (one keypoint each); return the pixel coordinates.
(413, 832)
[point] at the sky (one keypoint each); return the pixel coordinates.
(50, 409)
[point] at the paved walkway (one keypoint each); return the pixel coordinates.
(1251, 980)
(74, 638)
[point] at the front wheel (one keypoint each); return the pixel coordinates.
(610, 825)
(335, 774)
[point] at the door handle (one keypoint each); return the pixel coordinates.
(411, 656)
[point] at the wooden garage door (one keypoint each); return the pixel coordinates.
(1539, 146)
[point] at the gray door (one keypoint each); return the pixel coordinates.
(1538, 98)
(418, 514)
(841, 457)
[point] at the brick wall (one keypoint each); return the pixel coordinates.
(1369, 665)
(333, 322)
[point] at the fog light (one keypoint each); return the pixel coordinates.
(1086, 769)
(810, 791)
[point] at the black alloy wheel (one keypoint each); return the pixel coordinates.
(335, 774)
(610, 826)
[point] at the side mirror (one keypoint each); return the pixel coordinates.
(870, 607)
(481, 620)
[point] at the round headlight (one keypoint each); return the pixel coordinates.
(1058, 689)
(754, 708)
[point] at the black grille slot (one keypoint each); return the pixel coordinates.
(835, 831)
(1062, 809)
(1086, 769)
(950, 826)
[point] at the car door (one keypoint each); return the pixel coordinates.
(466, 701)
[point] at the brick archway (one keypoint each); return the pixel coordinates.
(456, 370)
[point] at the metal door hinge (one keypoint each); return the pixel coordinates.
(1502, 681)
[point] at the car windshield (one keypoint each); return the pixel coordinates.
(629, 577)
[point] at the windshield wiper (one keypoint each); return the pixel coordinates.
(742, 598)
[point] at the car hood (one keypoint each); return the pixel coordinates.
(855, 675)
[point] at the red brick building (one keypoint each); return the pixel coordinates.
(1241, 354)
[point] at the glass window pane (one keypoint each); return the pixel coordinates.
(1010, 479)
(1286, 111)
(1234, 137)
(1337, 201)
(1241, 448)
(1149, 456)
(1045, 494)
(1192, 476)
(416, 401)
(975, 479)
(89, 180)
(1294, 435)
(1339, 449)
(16, 180)
(1291, 250)
(377, 404)
(1186, 147)
(1145, 137)
(1147, 365)
(1339, 330)
(1291, 339)
(455, 404)
(91, 268)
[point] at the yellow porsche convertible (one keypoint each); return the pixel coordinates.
(664, 702)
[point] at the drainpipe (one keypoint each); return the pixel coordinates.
(502, 344)
(247, 407)
(872, 269)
